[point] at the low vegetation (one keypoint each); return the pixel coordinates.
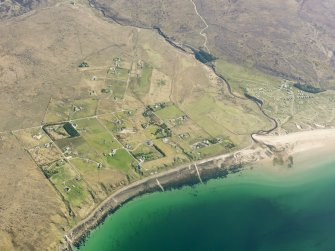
(308, 88)
(96, 111)
(83, 64)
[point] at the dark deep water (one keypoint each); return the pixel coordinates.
(250, 211)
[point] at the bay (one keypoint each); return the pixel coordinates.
(252, 210)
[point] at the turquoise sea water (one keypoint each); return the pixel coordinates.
(249, 211)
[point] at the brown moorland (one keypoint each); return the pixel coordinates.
(65, 63)
(292, 39)
(41, 81)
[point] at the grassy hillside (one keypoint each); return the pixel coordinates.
(138, 105)
(291, 39)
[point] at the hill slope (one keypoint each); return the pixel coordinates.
(293, 39)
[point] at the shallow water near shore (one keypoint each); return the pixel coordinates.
(252, 210)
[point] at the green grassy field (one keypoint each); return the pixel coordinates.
(114, 171)
(119, 88)
(219, 118)
(74, 190)
(87, 108)
(141, 85)
(169, 112)
(119, 74)
(116, 122)
(146, 152)
(239, 76)
(121, 161)
(294, 109)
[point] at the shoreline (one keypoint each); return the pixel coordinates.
(190, 174)
(186, 175)
(303, 145)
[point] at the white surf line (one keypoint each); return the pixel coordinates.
(206, 26)
(159, 184)
(196, 168)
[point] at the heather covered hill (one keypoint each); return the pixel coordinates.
(293, 39)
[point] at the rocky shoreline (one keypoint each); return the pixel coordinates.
(186, 175)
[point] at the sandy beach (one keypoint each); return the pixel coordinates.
(304, 141)
(303, 146)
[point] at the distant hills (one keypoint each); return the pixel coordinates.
(294, 39)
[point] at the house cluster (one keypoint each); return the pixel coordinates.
(302, 95)
(117, 64)
(184, 136)
(38, 136)
(140, 64)
(77, 108)
(206, 143)
(201, 144)
(287, 89)
(48, 145)
(152, 119)
(284, 85)
(67, 151)
(119, 124)
(111, 154)
(157, 106)
(151, 116)
(179, 120)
